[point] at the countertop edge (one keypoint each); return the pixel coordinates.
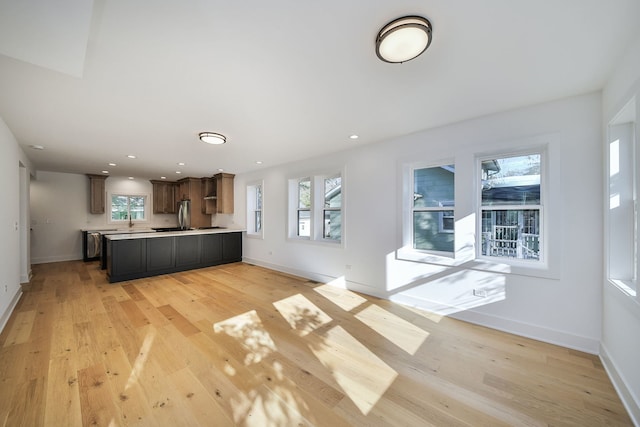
(155, 234)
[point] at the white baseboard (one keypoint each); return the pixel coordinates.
(56, 258)
(550, 336)
(4, 318)
(629, 400)
(318, 277)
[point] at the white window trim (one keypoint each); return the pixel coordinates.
(630, 285)
(251, 209)
(316, 210)
(407, 250)
(147, 207)
(543, 262)
(467, 197)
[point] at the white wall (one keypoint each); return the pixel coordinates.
(620, 347)
(564, 307)
(60, 209)
(13, 221)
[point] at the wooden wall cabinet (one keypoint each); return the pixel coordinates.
(218, 194)
(191, 189)
(164, 197)
(97, 193)
(224, 192)
(209, 195)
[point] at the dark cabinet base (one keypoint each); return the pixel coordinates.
(137, 258)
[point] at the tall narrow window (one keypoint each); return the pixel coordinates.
(332, 213)
(128, 208)
(622, 215)
(433, 209)
(511, 208)
(304, 207)
(254, 210)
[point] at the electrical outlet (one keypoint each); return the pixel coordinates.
(348, 266)
(482, 293)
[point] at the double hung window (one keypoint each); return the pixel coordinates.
(511, 207)
(304, 207)
(316, 204)
(433, 207)
(254, 210)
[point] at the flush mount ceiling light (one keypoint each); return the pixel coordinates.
(212, 138)
(403, 39)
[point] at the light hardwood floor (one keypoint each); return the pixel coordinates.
(243, 345)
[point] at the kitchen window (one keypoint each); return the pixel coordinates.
(255, 210)
(128, 208)
(511, 217)
(316, 215)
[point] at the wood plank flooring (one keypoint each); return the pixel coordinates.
(242, 345)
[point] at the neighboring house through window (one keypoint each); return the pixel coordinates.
(433, 207)
(511, 207)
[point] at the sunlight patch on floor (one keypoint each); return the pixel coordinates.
(303, 315)
(248, 329)
(343, 298)
(143, 354)
(405, 335)
(362, 375)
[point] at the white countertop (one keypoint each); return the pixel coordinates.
(153, 234)
(118, 230)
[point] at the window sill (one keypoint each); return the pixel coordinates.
(625, 286)
(469, 261)
(322, 242)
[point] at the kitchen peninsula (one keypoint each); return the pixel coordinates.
(133, 256)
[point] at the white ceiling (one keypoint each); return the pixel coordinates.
(284, 80)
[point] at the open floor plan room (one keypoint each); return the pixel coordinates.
(239, 344)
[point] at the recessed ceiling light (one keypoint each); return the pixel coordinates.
(220, 170)
(105, 171)
(37, 147)
(178, 172)
(180, 163)
(212, 138)
(354, 136)
(258, 162)
(163, 177)
(112, 164)
(131, 156)
(130, 177)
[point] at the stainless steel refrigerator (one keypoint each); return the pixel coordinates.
(184, 214)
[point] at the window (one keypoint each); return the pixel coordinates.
(511, 208)
(622, 216)
(332, 213)
(316, 215)
(304, 207)
(131, 208)
(254, 210)
(432, 209)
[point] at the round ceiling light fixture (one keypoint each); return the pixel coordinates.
(403, 39)
(212, 138)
